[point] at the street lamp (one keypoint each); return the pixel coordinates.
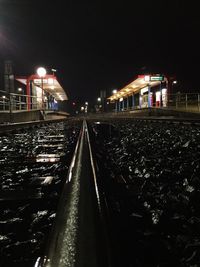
(42, 73)
(99, 99)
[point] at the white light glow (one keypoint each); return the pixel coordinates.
(146, 78)
(144, 90)
(121, 99)
(50, 81)
(158, 96)
(41, 71)
(114, 91)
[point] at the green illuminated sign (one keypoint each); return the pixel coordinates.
(156, 78)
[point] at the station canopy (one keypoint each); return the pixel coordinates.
(49, 83)
(142, 81)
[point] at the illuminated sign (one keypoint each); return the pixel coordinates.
(156, 78)
(39, 81)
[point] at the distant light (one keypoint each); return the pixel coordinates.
(82, 108)
(114, 91)
(41, 71)
(54, 70)
(19, 89)
(4, 96)
(86, 103)
(121, 99)
(99, 99)
(107, 103)
(73, 103)
(147, 78)
(174, 82)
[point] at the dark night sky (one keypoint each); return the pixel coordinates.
(98, 45)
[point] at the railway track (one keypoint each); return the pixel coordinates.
(132, 190)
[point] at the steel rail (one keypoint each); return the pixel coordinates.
(78, 235)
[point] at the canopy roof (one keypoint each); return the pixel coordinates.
(139, 83)
(49, 83)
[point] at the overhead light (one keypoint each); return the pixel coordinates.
(41, 71)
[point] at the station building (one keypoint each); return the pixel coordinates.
(145, 91)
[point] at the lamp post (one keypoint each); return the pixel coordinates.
(41, 73)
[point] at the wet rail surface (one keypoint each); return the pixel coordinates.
(33, 168)
(150, 175)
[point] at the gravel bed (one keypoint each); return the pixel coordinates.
(150, 173)
(33, 168)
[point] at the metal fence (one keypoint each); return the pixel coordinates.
(187, 101)
(180, 101)
(15, 102)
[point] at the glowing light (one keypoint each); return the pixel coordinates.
(50, 81)
(41, 71)
(99, 99)
(114, 91)
(147, 78)
(121, 99)
(144, 90)
(164, 91)
(19, 89)
(86, 103)
(158, 96)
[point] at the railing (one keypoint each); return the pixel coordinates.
(15, 102)
(188, 102)
(178, 101)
